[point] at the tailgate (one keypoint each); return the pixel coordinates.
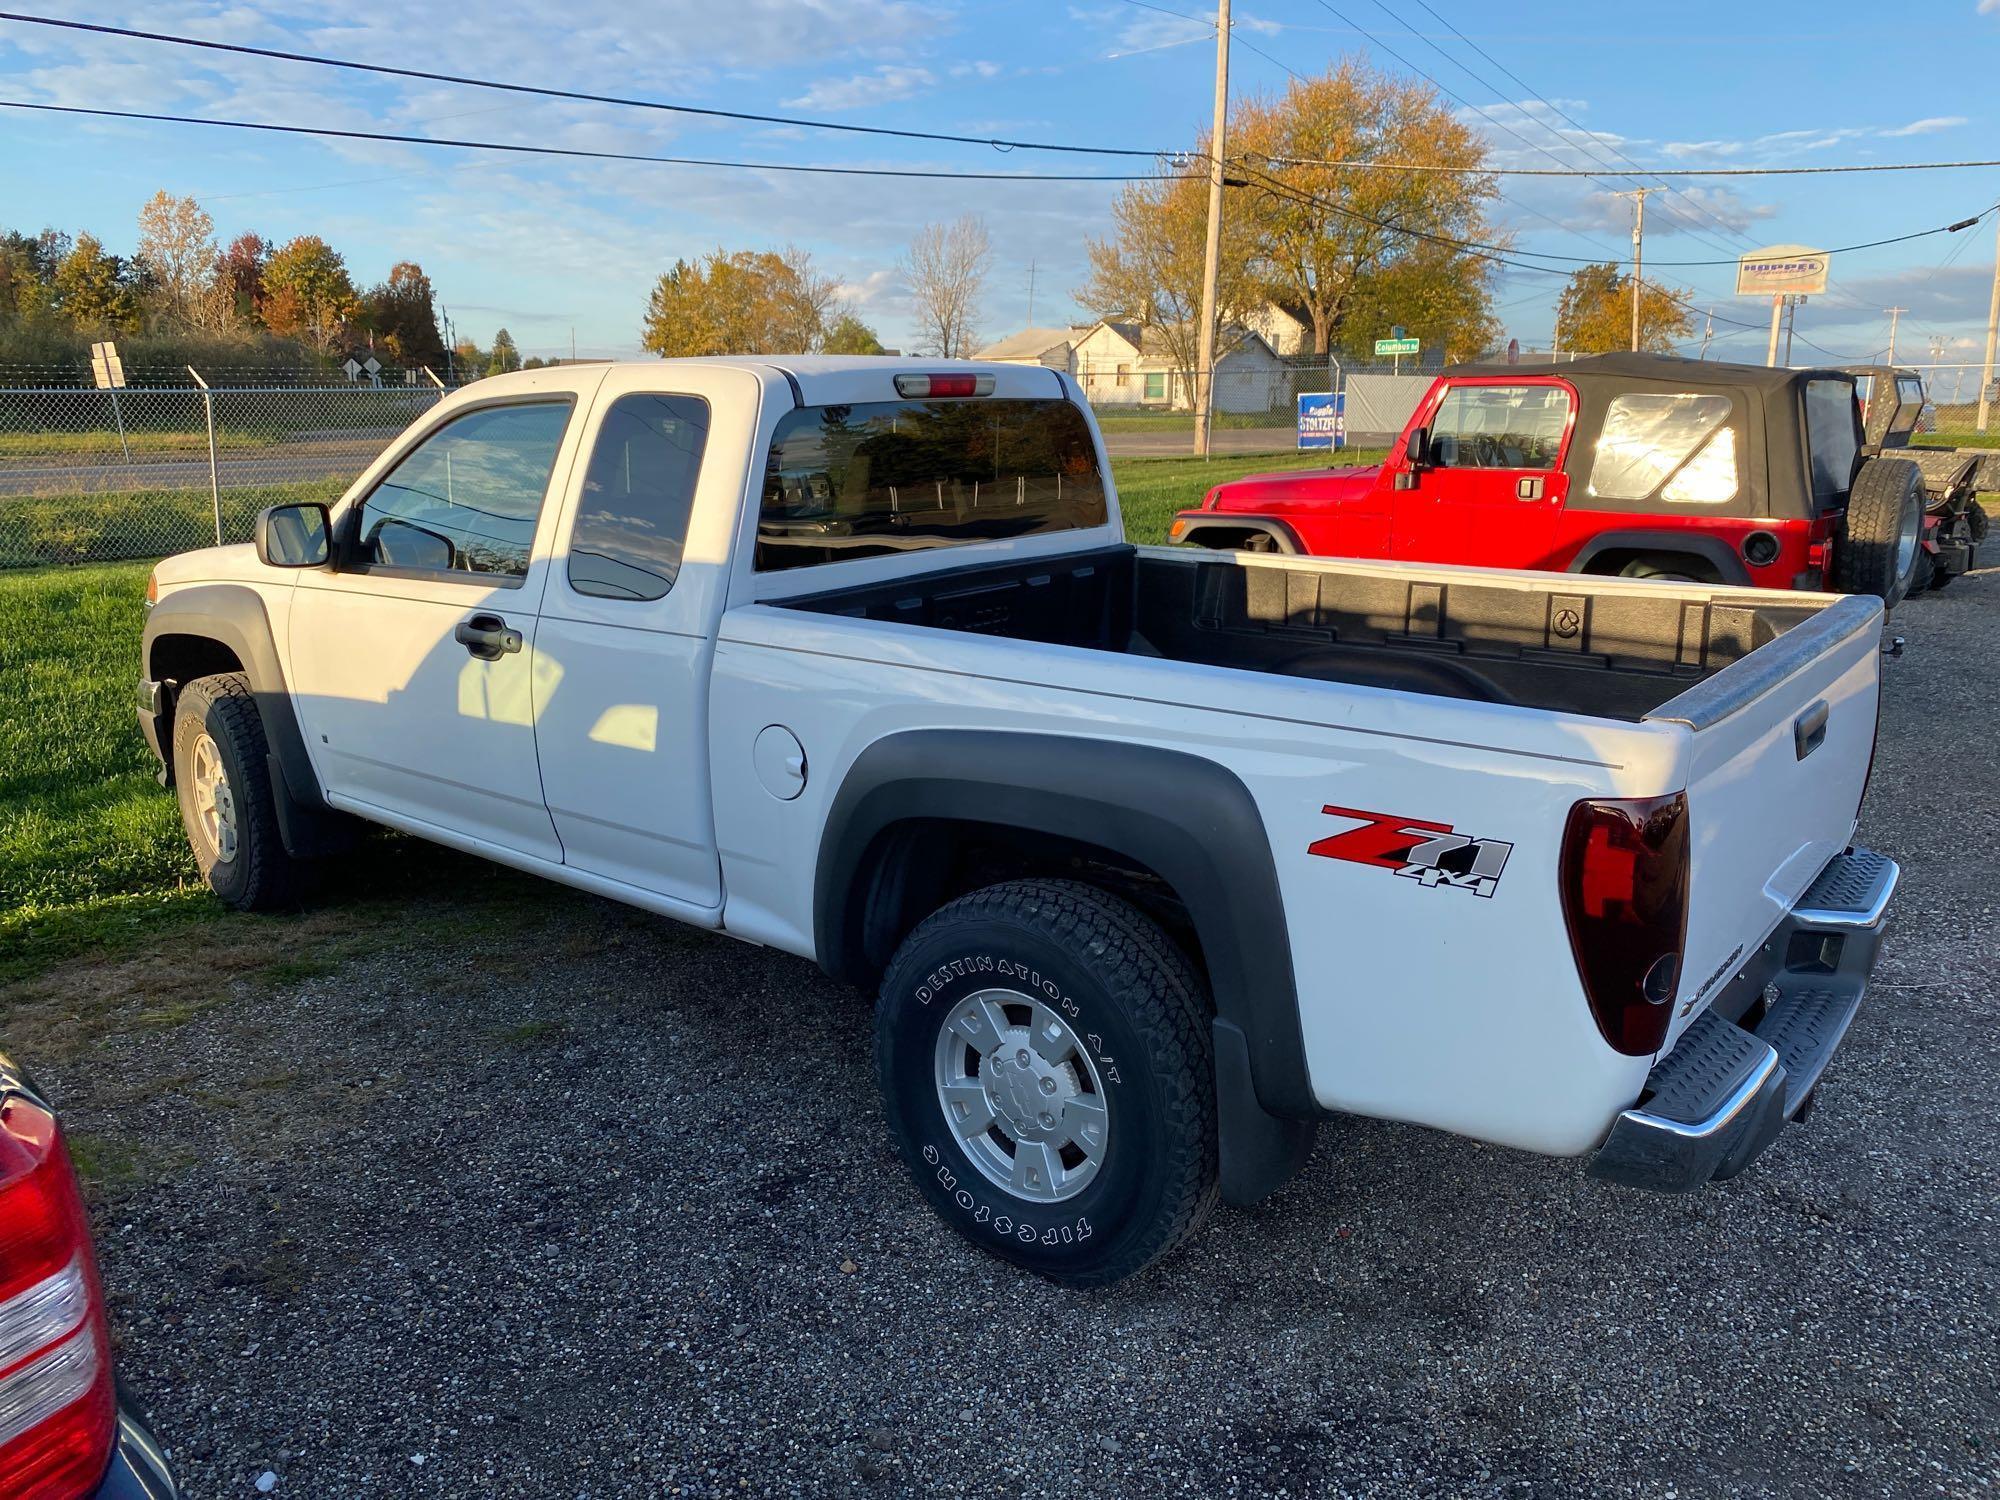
(1779, 758)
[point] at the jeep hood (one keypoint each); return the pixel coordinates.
(1296, 489)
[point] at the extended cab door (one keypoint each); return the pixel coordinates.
(415, 662)
(628, 624)
(1495, 483)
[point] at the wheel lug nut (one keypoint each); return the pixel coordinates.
(1021, 1057)
(1048, 1085)
(1047, 1119)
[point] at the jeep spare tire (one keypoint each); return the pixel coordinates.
(1883, 533)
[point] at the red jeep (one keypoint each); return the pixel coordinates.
(1640, 465)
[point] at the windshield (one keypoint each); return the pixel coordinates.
(891, 476)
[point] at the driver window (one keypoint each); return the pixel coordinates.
(1500, 427)
(465, 500)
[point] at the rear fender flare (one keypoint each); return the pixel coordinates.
(1726, 560)
(1222, 522)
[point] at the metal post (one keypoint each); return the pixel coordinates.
(1992, 328)
(214, 476)
(1211, 263)
(119, 418)
(1777, 311)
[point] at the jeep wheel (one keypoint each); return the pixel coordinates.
(1046, 1067)
(1883, 531)
(224, 785)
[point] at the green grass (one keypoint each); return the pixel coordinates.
(36, 530)
(104, 440)
(1150, 490)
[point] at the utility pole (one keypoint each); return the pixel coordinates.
(1895, 315)
(1992, 328)
(1791, 322)
(1707, 332)
(1638, 197)
(1211, 260)
(1031, 294)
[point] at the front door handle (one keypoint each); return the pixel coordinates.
(1528, 489)
(487, 637)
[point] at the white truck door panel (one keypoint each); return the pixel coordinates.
(415, 664)
(627, 620)
(403, 717)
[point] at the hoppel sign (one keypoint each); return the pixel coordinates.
(1782, 270)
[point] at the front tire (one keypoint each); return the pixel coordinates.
(222, 776)
(1047, 1070)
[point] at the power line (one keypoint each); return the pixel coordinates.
(1455, 169)
(241, 50)
(525, 150)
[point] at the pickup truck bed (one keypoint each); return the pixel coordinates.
(1616, 655)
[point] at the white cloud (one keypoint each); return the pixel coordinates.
(1933, 123)
(889, 81)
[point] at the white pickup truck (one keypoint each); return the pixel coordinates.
(1156, 856)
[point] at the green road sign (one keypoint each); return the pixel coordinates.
(1396, 346)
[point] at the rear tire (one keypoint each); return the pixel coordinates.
(1882, 534)
(1046, 1065)
(1664, 569)
(222, 776)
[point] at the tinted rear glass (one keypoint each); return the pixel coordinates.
(896, 476)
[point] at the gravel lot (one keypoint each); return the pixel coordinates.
(539, 1197)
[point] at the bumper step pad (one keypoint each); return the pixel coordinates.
(1712, 1105)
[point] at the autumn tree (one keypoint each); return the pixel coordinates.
(309, 294)
(177, 245)
(25, 272)
(239, 270)
(1594, 313)
(740, 302)
(1324, 227)
(847, 334)
(402, 311)
(1149, 268)
(93, 291)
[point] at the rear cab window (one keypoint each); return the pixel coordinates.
(869, 478)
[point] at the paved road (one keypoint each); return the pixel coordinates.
(500, 1191)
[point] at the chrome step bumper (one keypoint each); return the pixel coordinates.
(1712, 1105)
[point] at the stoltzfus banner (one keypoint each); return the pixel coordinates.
(1778, 270)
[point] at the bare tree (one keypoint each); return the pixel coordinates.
(946, 270)
(177, 243)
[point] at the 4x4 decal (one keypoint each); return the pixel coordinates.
(1432, 854)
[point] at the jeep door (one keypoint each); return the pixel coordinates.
(1494, 485)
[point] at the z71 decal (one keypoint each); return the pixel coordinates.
(1432, 854)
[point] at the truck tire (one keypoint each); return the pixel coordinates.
(1046, 1065)
(223, 779)
(1882, 532)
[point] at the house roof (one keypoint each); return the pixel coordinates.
(1027, 344)
(1151, 341)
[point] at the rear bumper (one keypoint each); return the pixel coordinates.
(138, 1468)
(1748, 1065)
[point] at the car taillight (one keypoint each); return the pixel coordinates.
(944, 385)
(57, 1409)
(1625, 896)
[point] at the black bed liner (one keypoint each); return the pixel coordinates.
(1611, 653)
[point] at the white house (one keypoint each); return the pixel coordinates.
(1123, 363)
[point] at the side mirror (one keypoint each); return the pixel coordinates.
(1416, 455)
(294, 536)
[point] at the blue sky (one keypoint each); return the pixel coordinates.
(545, 247)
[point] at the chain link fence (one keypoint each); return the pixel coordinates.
(96, 475)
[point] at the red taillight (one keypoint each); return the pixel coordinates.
(57, 1409)
(1624, 892)
(944, 385)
